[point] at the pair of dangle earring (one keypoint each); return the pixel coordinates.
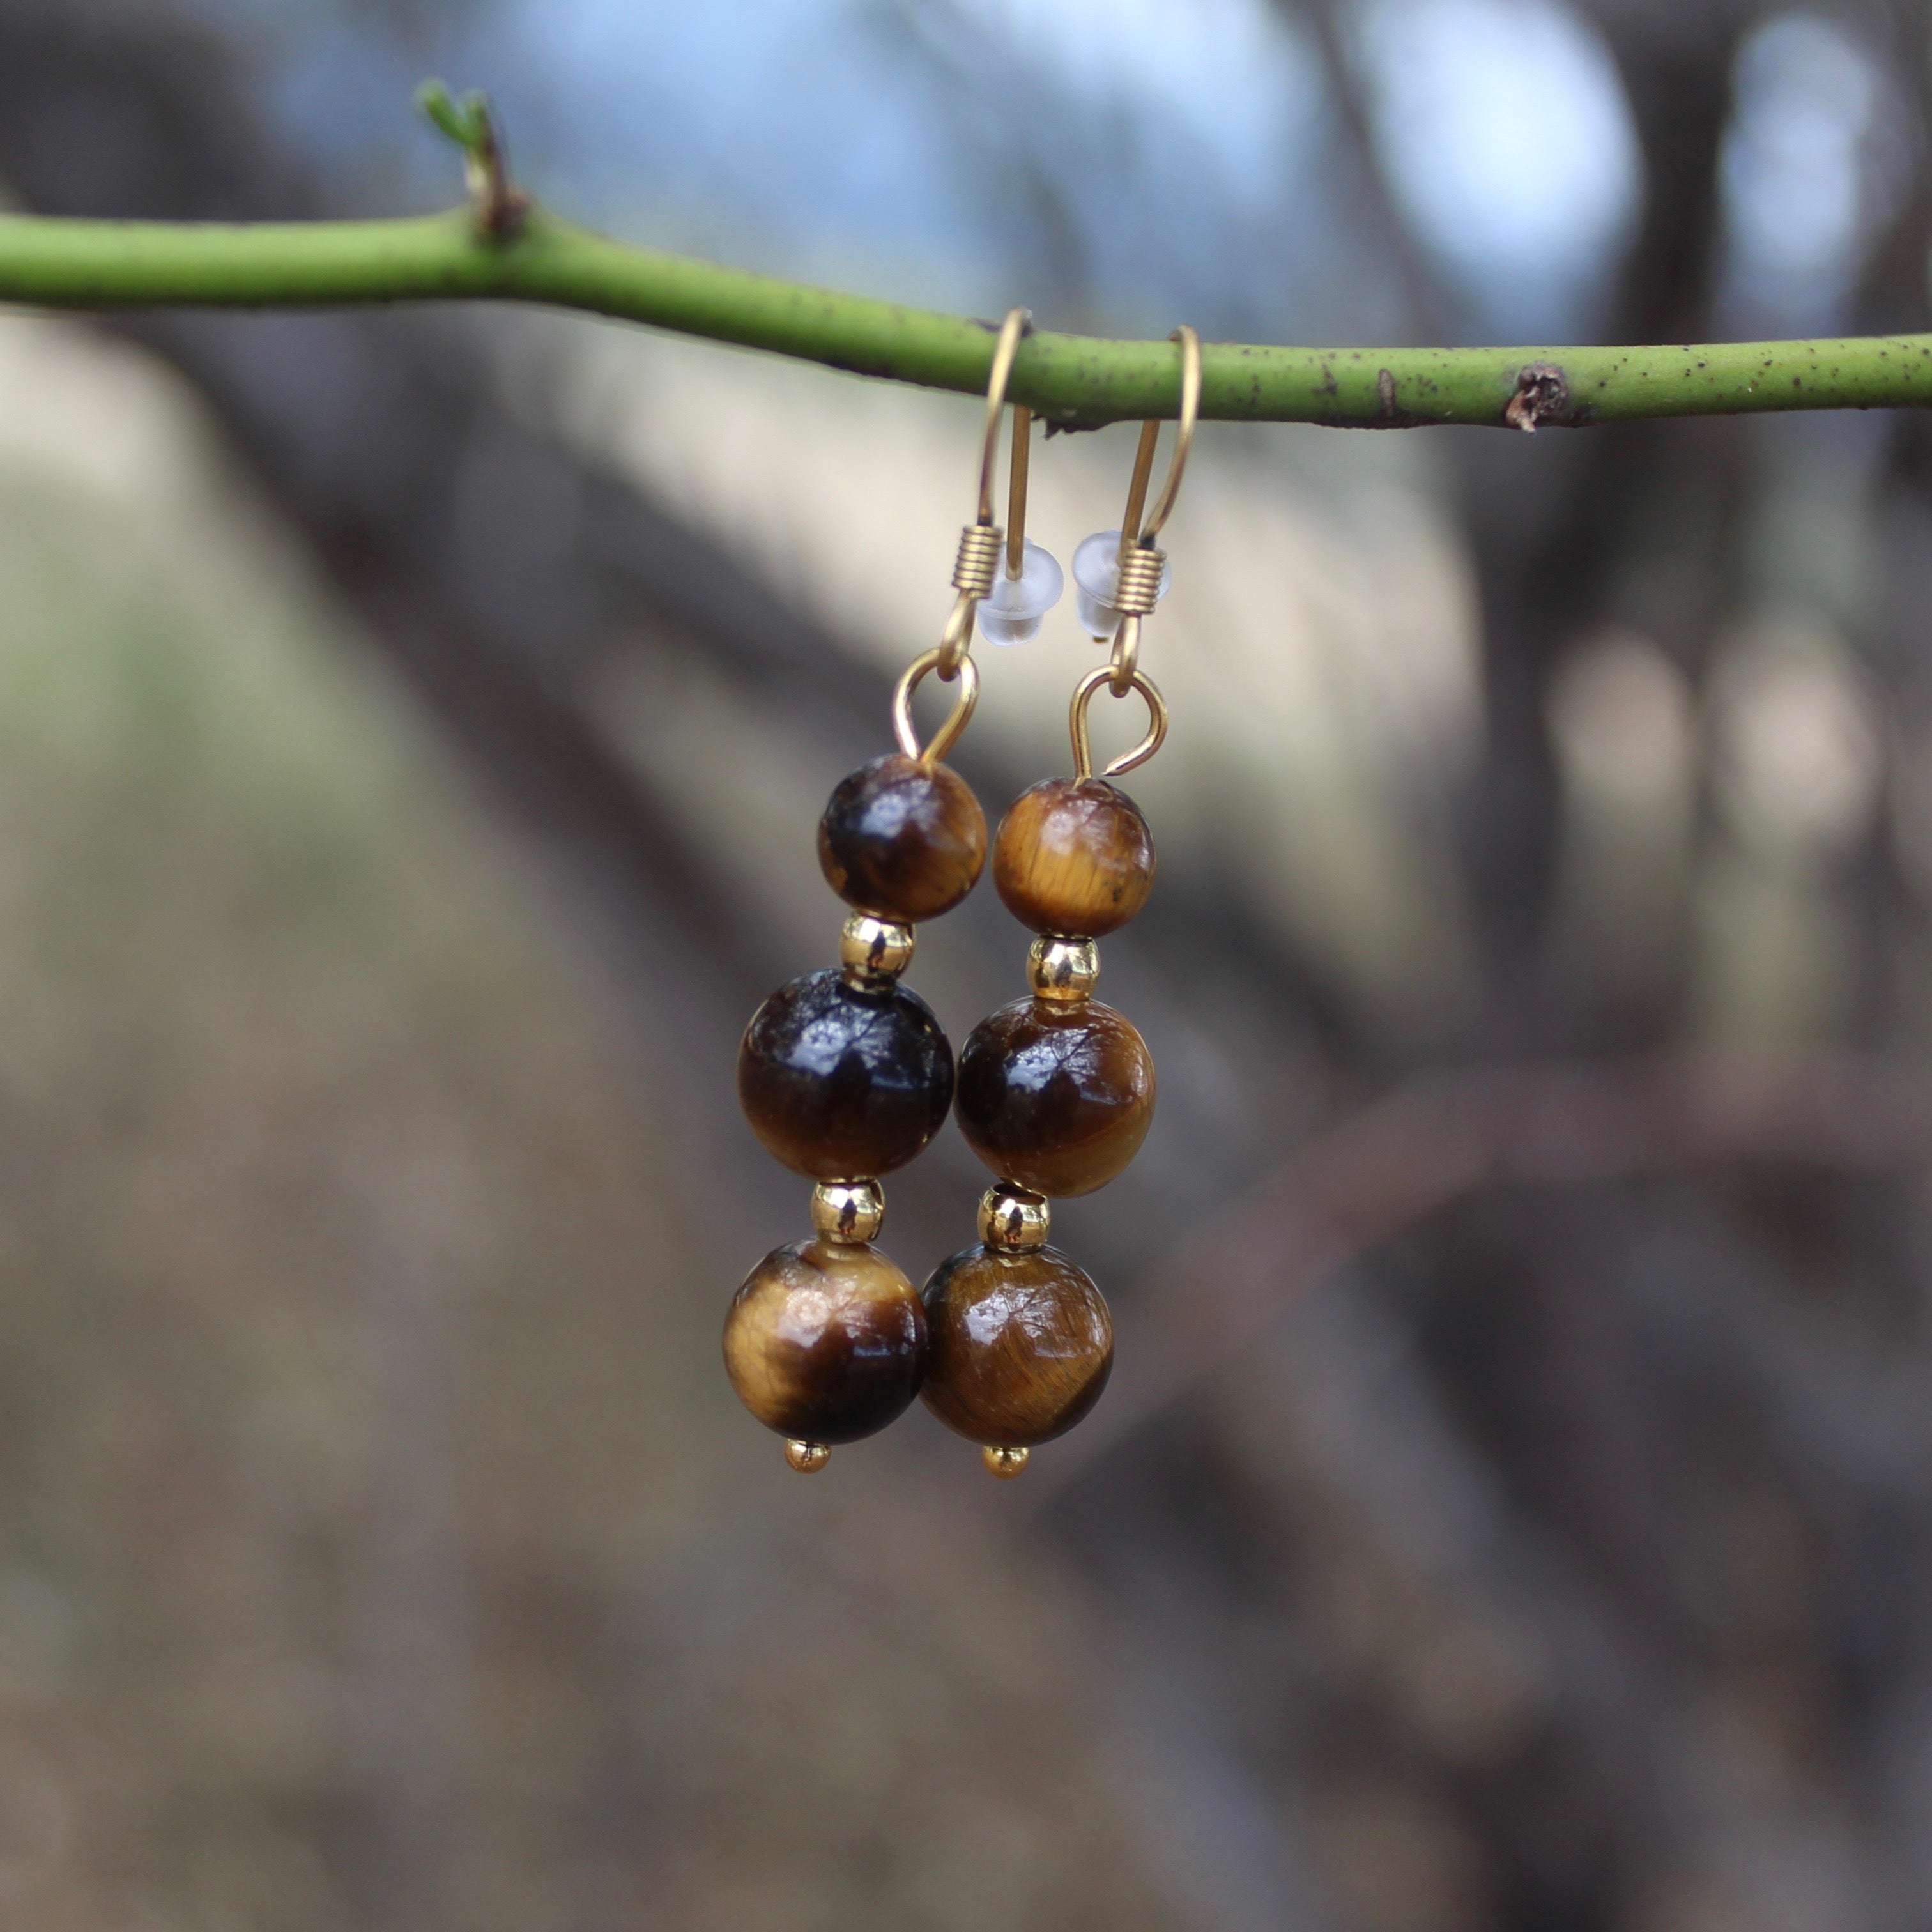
(845, 1075)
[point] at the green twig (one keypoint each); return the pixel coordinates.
(1072, 380)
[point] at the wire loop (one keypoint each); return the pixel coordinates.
(947, 735)
(1083, 698)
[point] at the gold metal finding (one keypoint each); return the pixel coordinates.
(848, 1212)
(1137, 484)
(967, 672)
(1013, 1219)
(1184, 440)
(1004, 1463)
(978, 558)
(1012, 331)
(1065, 971)
(1139, 562)
(1083, 697)
(981, 540)
(1016, 489)
(1137, 589)
(873, 951)
(808, 1458)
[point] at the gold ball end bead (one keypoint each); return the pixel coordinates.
(1063, 970)
(808, 1458)
(1004, 1463)
(849, 1212)
(1013, 1219)
(873, 952)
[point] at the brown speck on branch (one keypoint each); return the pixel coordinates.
(1541, 394)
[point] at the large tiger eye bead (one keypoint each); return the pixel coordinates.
(1018, 1346)
(1055, 1097)
(1073, 855)
(843, 1082)
(826, 1341)
(902, 840)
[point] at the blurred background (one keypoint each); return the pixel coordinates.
(1514, 1507)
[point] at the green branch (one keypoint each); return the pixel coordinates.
(1071, 380)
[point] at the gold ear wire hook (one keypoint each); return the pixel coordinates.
(1184, 440)
(1012, 332)
(1139, 562)
(980, 541)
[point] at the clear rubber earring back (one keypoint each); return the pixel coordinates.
(1011, 612)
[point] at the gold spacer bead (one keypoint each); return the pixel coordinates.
(873, 952)
(808, 1458)
(1004, 1463)
(1065, 970)
(1012, 1219)
(849, 1212)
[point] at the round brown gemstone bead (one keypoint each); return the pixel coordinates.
(1075, 856)
(826, 1341)
(902, 840)
(843, 1082)
(1018, 1346)
(1057, 1098)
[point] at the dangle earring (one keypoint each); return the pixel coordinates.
(1056, 1090)
(844, 1074)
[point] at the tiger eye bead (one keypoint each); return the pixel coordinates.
(826, 1341)
(1075, 856)
(1056, 1098)
(843, 1082)
(1018, 1346)
(902, 841)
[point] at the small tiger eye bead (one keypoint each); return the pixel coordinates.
(826, 1341)
(1055, 1098)
(1018, 1346)
(1073, 855)
(902, 841)
(842, 1082)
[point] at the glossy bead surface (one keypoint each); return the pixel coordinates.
(1005, 1463)
(1056, 1098)
(826, 1341)
(1018, 1346)
(902, 841)
(807, 1458)
(843, 1083)
(1074, 856)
